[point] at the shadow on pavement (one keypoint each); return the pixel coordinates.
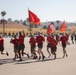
(25, 60)
(35, 60)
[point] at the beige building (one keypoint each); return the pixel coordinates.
(13, 28)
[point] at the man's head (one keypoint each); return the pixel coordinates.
(20, 33)
(38, 33)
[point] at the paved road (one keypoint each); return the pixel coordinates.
(60, 66)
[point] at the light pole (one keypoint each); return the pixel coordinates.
(3, 21)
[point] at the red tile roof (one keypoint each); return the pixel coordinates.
(13, 25)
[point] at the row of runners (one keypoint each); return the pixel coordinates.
(19, 46)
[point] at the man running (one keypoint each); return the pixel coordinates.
(63, 40)
(33, 46)
(21, 45)
(15, 41)
(40, 40)
(49, 38)
(53, 47)
(2, 46)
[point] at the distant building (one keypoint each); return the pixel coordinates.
(11, 27)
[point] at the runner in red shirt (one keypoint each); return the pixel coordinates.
(2, 46)
(33, 46)
(21, 45)
(63, 40)
(53, 47)
(49, 38)
(15, 41)
(40, 40)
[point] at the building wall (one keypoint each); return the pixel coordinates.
(13, 30)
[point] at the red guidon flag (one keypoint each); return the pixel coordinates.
(33, 18)
(49, 31)
(63, 27)
(51, 28)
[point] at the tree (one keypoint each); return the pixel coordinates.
(25, 23)
(9, 20)
(58, 24)
(21, 21)
(16, 21)
(35, 25)
(57, 28)
(44, 27)
(3, 13)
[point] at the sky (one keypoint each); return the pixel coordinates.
(46, 10)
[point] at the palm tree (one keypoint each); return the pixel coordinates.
(3, 21)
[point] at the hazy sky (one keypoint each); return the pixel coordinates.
(46, 10)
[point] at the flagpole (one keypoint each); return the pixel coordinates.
(33, 19)
(29, 23)
(30, 29)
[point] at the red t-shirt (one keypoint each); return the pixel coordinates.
(53, 42)
(49, 38)
(21, 39)
(67, 36)
(15, 42)
(32, 41)
(63, 39)
(1, 41)
(40, 39)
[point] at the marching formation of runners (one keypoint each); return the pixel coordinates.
(38, 41)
